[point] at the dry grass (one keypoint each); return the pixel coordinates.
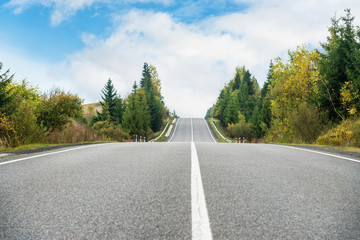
(90, 110)
(74, 132)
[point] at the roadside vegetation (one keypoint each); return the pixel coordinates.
(312, 97)
(29, 118)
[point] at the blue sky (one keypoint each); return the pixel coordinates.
(195, 45)
(53, 42)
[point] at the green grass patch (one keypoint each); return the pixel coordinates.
(162, 138)
(217, 123)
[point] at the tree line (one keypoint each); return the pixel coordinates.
(28, 116)
(313, 96)
(142, 113)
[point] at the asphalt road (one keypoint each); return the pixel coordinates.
(146, 191)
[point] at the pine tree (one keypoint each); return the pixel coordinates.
(145, 81)
(5, 94)
(154, 103)
(108, 104)
(119, 110)
(231, 112)
(136, 116)
(339, 66)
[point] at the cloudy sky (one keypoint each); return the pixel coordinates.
(195, 45)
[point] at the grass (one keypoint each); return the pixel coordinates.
(162, 138)
(219, 138)
(90, 110)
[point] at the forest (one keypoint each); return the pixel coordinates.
(28, 116)
(312, 97)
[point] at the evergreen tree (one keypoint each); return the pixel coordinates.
(119, 110)
(145, 81)
(5, 92)
(223, 101)
(154, 103)
(108, 104)
(136, 116)
(340, 69)
(237, 81)
(231, 112)
(156, 112)
(265, 104)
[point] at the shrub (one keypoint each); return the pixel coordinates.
(74, 132)
(26, 125)
(240, 129)
(8, 135)
(109, 131)
(345, 134)
(305, 122)
(58, 108)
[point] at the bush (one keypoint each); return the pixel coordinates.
(305, 122)
(110, 132)
(8, 135)
(74, 132)
(345, 134)
(26, 125)
(240, 129)
(58, 108)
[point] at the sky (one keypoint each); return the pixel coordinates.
(77, 45)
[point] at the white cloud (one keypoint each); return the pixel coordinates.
(194, 61)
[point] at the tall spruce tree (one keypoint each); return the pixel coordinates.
(136, 116)
(339, 67)
(119, 110)
(108, 104)
(154, 102)
(5, 94)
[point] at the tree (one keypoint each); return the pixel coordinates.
(137, 116)
(265, 104)
(119, 110)
(292, 82)
(145, 81)
(57, 108)
(153, 99)
(155, 80)
(5, 92)
(24, 116)
(231, 112)
(339, 66)
(108, 103)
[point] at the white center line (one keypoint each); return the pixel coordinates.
(199, 215)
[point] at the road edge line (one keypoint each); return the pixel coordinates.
(177, 122)
(206, 123)
(322, 153)
(48, 154)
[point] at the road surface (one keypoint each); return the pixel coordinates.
(188, 188)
